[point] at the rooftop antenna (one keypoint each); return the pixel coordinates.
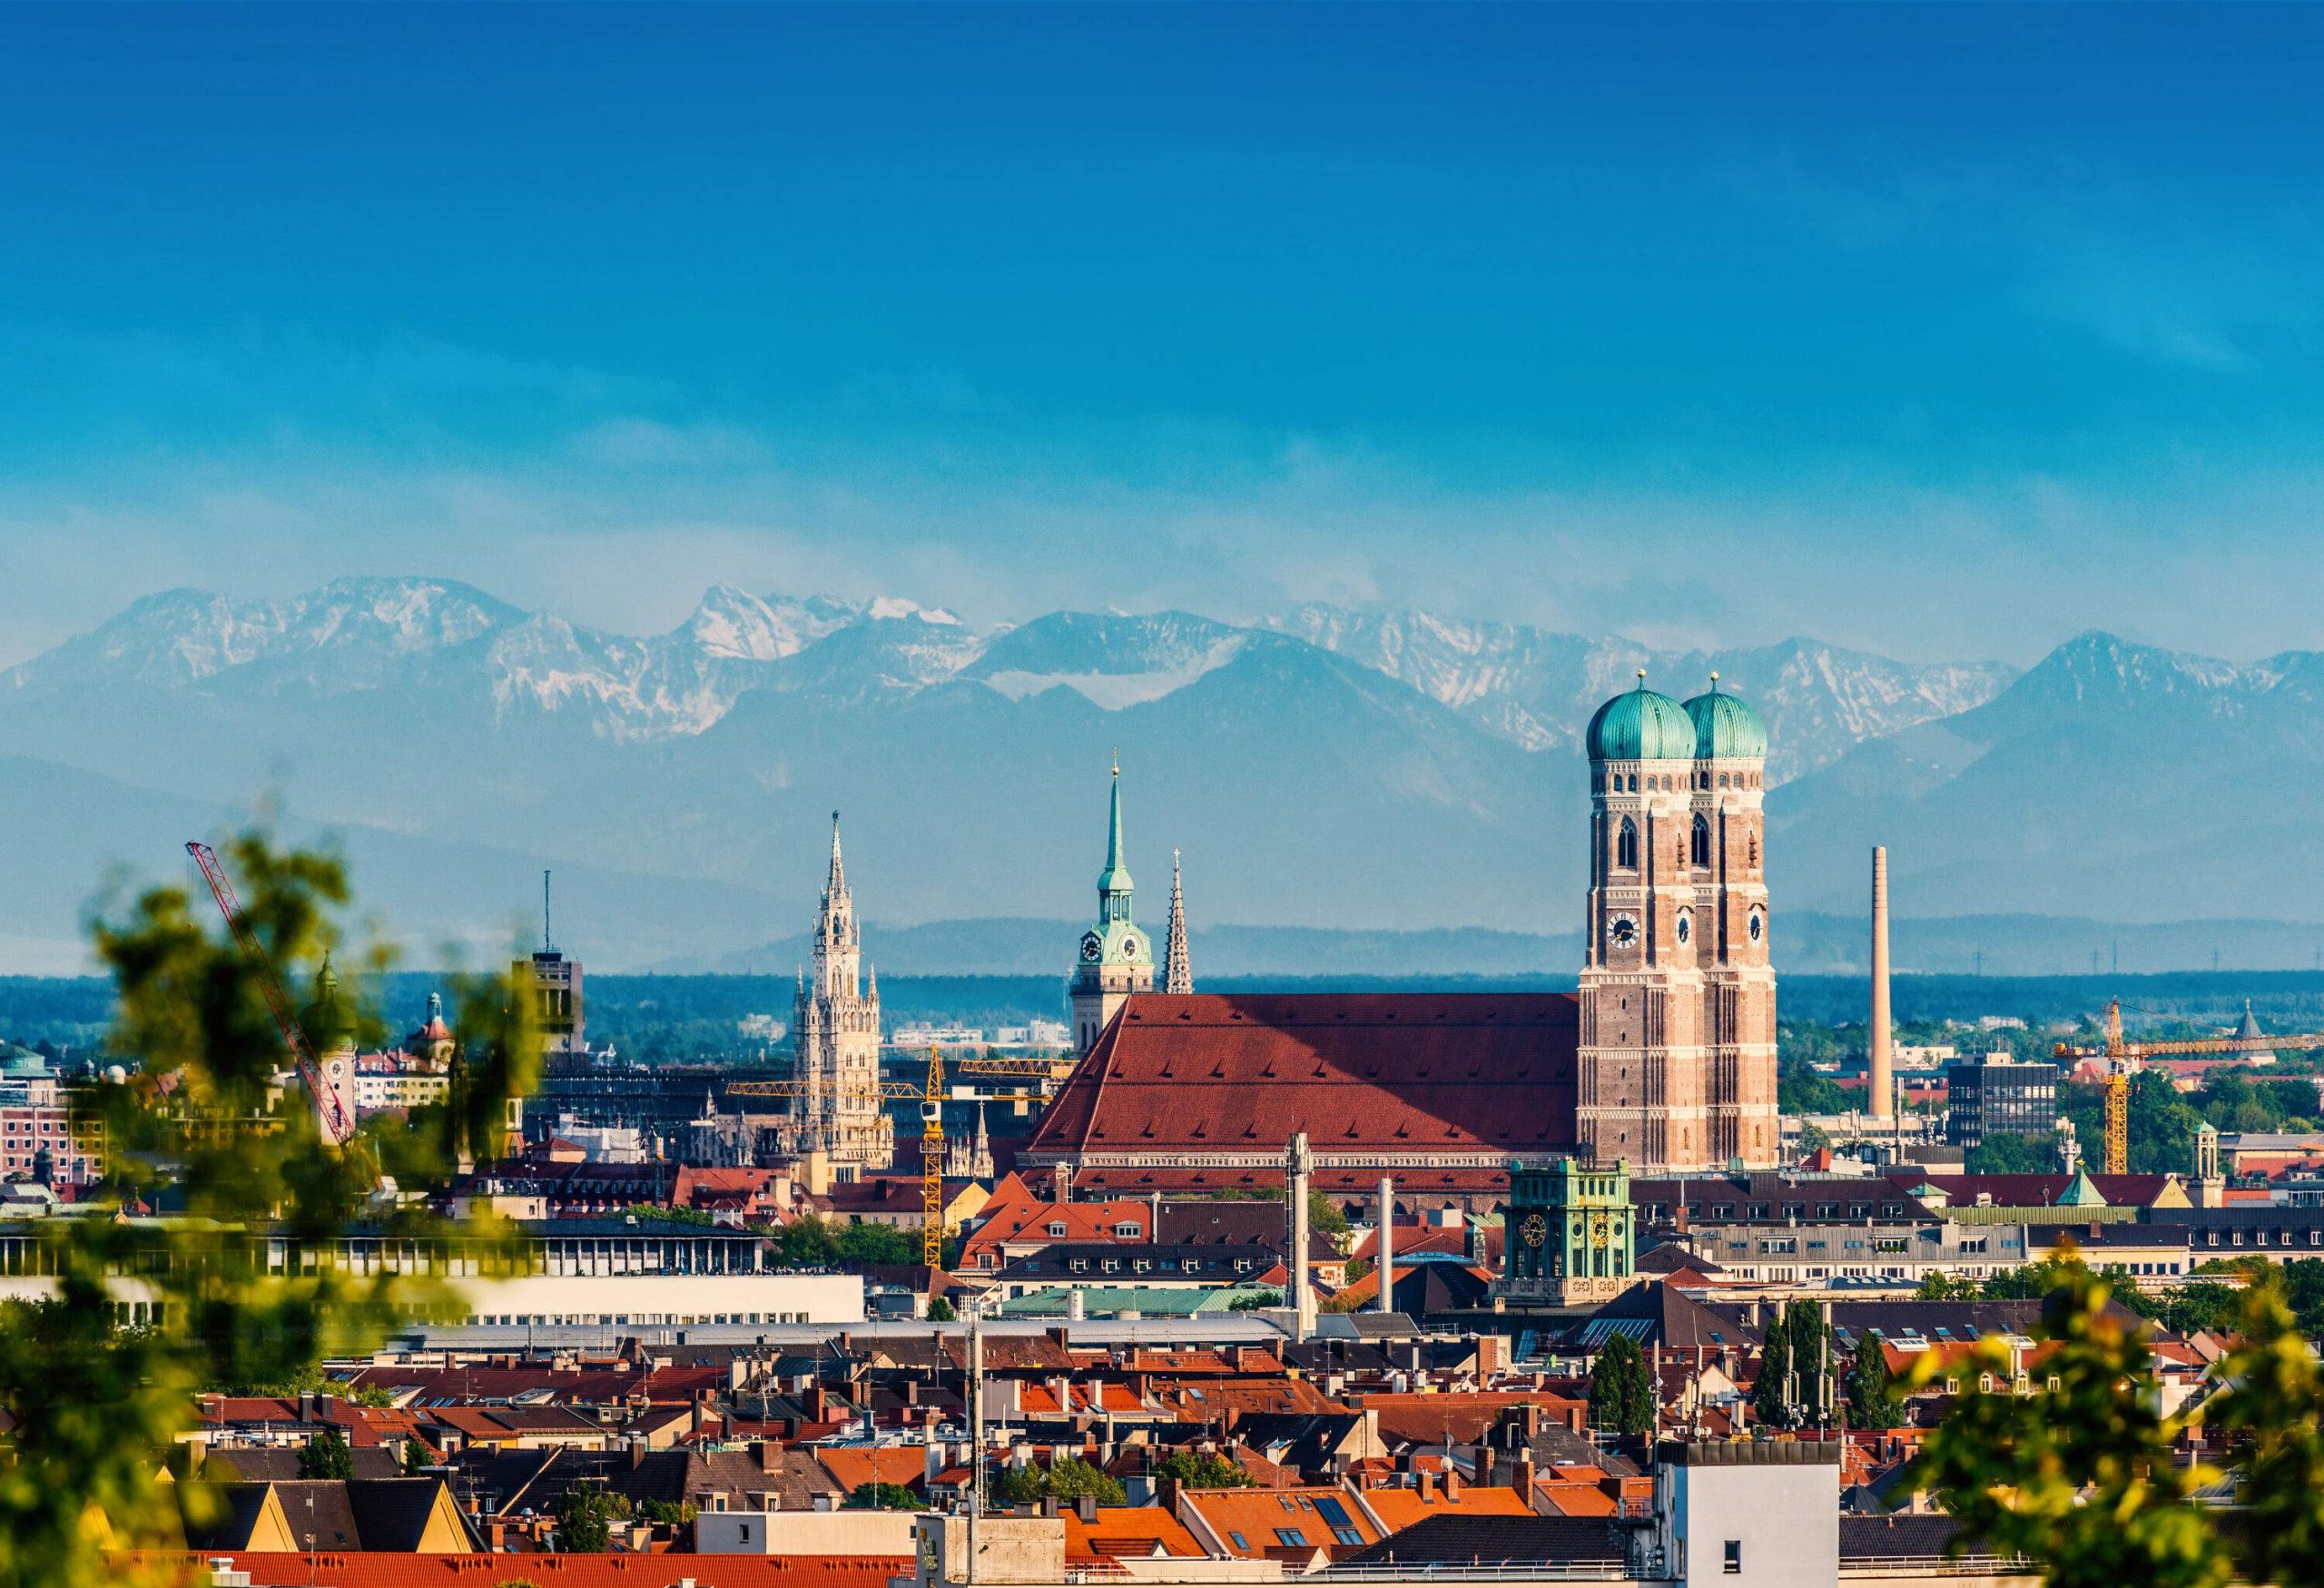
(548, 945)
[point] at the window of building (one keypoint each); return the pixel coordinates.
(1699, 846)
(1056, 1226)
(1239, 1541)
(1626, 845)
(1733, 1563)
(1291, 1537)
(1347, 1535)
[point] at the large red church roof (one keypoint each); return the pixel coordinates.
(1405, 1076)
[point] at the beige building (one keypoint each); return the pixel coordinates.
(835, 1037)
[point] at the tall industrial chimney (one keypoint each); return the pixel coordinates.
(1298, 1164)
(1387, 1244)
(1883, 1084)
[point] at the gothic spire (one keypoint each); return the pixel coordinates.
(1115, 878)
(836, 887)
(1178, 972)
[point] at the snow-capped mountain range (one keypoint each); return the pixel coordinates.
(1378, 770)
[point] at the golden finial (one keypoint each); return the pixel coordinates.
(1714, 681)
(1117, 760)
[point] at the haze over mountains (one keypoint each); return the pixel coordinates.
(1373, 772)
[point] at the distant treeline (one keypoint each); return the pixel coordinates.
(672, 1016)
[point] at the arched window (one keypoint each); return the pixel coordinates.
(1626, 845)
(1701, 847)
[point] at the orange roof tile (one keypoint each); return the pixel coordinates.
(1270, 1522)
(1399, 1508)
(386, 1569)
(853, 1467)
(1135, 1530)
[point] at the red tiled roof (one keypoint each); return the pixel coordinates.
(1134, 1532)
(1400, 1072)
(854, 1467)
(383, 1569)
(1356, 1185)
(2034, 1190)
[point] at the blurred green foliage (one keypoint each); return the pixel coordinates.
(203, 1128)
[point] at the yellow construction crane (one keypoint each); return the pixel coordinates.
(931, 1096)
(2123, 1061)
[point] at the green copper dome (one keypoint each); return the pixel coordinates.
(1726, 728)
(1640, 725)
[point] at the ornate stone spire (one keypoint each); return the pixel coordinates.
(1178, 972)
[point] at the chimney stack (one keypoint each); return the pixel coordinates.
(1387, 1244)
(1881, 1083)
(1298, 1164)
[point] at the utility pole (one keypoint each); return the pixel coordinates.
(976, 1425)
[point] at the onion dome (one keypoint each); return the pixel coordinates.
(1725, 727)
(327, 1021)
(1640, 725)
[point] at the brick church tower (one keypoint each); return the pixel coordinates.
(1677, 1058)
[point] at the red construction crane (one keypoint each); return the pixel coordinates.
(338, 1129)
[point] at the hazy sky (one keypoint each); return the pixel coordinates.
(1944, 332)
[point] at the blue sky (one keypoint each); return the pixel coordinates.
(1942, 332)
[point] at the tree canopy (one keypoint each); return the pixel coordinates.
(94, 1402)
(1621, 1396)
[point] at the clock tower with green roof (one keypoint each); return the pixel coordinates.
(1115, 958)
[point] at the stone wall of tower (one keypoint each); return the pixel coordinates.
(1739, 1018)
(1098, 991)
(1644, 1093)
(835, 1042)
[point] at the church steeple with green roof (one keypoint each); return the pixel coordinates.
(1114, 959)
(1114, 886)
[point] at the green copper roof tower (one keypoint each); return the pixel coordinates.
(1114, 959)
(1114, 884)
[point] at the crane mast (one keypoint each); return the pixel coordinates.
(2123, 1064)
(931, 1096)
(337, 1128)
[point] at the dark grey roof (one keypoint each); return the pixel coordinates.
(280, 1463)
(1896, 1537)
(1654, 1314)
(358, 1513)
(229, 1527)
(1495, 1541)
(1304, 1442)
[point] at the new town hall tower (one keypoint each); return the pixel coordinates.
(1676, 1062)
(835, 1035)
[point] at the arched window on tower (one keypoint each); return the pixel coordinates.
(1701, 847)
(1626, 845)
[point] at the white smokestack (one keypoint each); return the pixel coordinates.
(1299, 1163)
(1387, 1243)
(1882, 1080)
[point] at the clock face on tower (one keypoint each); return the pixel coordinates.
(1130, 948)
(1624, 931)
(1535, 1229)
(1092, 946)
